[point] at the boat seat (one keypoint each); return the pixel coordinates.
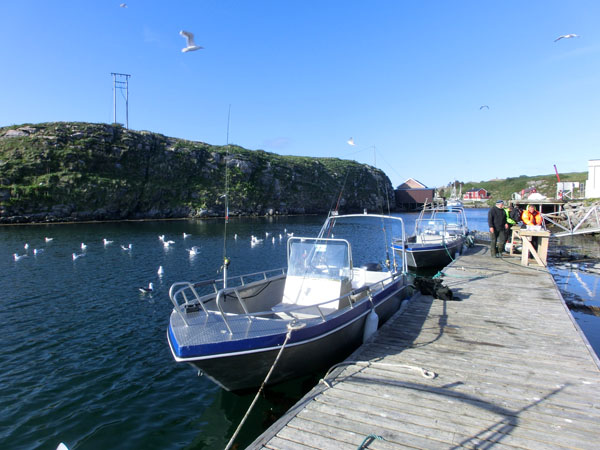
(363, 278)
(301, 294)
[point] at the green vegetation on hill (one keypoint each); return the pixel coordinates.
(504, 188)
(83, 171)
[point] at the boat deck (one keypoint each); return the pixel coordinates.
(513, 371)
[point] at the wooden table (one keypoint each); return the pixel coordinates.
(541, 253)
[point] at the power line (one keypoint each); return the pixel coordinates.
(121, 82)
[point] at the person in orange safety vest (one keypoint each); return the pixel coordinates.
(531, 216)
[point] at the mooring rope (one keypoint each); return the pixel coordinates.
(372, 437)
(424, 372)
(293, 325)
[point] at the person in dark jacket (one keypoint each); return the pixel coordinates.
(498, 228)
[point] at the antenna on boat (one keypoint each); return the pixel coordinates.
(226, 260)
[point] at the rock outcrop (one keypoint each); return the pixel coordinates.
(80, 171)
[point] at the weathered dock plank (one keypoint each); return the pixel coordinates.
(513, 371)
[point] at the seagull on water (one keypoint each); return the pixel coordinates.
(26, 246)
(47, 239)
(195, 250)
(18, 257)
(146, 290)
(106, 242)
(351, 142)
(160, 271)
(128, 248)
(77, 255)
(37, 251)
(83, 246)
(190, 44)
(186, 235)
(162, 237)
(566, 36)
(166, 244)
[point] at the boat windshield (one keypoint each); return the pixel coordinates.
(430, 226)
(319, 258)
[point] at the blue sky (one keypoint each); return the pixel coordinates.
(405, 79)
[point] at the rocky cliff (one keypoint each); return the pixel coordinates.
(80, 171)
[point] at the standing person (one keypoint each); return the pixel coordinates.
(498, 226)
(509, 210)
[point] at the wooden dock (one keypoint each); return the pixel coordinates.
(512, 371)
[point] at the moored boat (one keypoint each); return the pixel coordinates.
(316, 308)
(440, 233)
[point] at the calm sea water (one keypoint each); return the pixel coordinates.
(84, 357)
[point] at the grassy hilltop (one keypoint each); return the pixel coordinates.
(504, 188)
(82, 171)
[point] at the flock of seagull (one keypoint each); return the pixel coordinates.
(167, 243)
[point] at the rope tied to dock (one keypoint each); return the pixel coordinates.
(425, 373)
(367, 440)
(291, 326)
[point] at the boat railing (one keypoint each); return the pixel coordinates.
(295, 310)
(184, 294)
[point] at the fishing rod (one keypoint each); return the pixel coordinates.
(226, 260)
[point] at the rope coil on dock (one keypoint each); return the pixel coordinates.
(425, 373)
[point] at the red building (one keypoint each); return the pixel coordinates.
(476, 194)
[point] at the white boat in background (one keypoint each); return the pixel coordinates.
(455, 200)
(234, 331)
(440, 233)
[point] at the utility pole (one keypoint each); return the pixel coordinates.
(121, 82)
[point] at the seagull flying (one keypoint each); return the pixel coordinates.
(123, 5)
(484, 106)
(190, 44)
(566, 36)
(351, 142)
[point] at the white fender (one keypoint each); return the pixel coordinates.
(371, 323)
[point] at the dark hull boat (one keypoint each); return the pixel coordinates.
(427, 255)
(440, 233)
(316, 309)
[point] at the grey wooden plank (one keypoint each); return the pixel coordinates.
(432, 400)
(333, 427)
(468, 414)
(436, 429)
(496, 371)
(279, 443)
(390, 435)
